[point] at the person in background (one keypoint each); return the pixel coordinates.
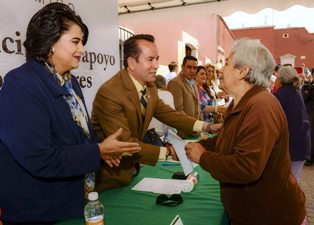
(210, 69)
(289, 95)
(156, 127)
(307, 91)
(130, 100)
(306, 71)
(250, 156)
(173, 68)
(273, 80)
(184, 91)
(207, 103)
(220, 97)
(47, 145)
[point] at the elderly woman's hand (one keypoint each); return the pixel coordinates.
(194, 151)
(215, 128)
(221, 108)
(111, 149)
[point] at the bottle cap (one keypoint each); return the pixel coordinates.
(194, 174)
(93, 196)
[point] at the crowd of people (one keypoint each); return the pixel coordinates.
(55, 153)
(303, 81)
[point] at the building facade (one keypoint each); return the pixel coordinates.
(293, 46)
(207, 37)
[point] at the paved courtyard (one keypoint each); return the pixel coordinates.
(307, 185)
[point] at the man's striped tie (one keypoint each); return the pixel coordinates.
(143, 101)
(143, 109)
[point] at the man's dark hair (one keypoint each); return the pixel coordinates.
(160, 81)
(47, 26)
(277, 67)
(131, 48)
(172, 66)
(188, 57)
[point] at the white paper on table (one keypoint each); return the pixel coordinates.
(178, 145)
(160, 186)
(176, 221)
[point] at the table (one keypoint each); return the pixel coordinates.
(122, 206)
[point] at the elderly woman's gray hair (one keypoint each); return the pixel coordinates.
(289, 76)
(255, 55)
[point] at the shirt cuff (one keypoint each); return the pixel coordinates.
(163, 153)
(198, 125)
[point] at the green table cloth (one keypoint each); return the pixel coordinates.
(122, 206)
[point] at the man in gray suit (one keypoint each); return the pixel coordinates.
(184, 91)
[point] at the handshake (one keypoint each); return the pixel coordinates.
(112, 150)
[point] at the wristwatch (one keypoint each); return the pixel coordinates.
(208, 127)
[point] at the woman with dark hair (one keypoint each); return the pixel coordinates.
(47, 145)
(207, 102)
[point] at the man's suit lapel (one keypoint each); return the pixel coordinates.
(196, 95)
(132, 93)
(187, 86)
(148, 111)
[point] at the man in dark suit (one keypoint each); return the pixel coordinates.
(118, 103)
(184, 91)
(308, 96)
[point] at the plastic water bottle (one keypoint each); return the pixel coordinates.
(94, 210)
(190, 181)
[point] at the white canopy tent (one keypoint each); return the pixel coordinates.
(221, 7)
(147, 15)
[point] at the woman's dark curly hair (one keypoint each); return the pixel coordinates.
(205, 85)
(47, 26)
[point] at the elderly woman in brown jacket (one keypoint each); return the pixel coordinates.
(250, 157)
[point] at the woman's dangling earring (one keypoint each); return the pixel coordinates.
(51, 52)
